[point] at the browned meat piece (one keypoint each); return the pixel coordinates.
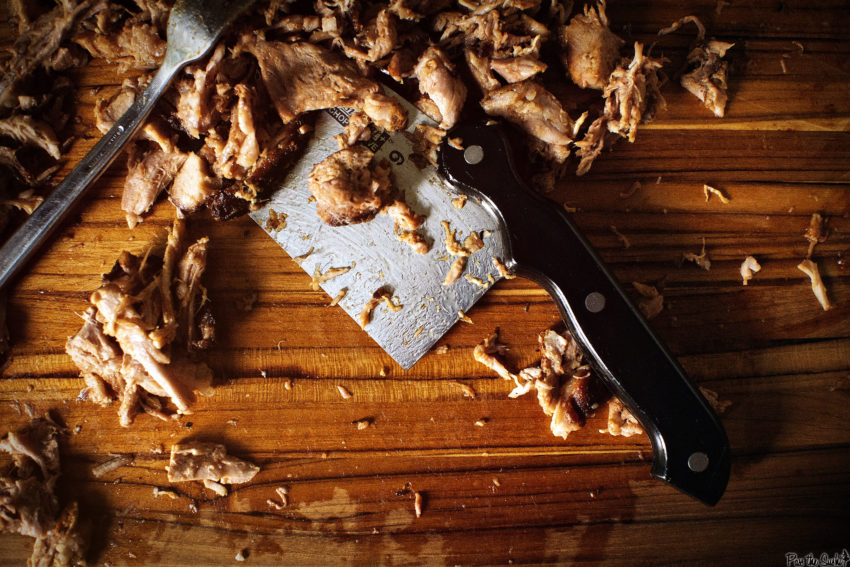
(193, 460)
(437, 81)
(149, 172)
(591, 49)
(357, 130)
(192, 185)
(348, 187)
(415, 240)
(301, 77)
(707, 81)
(40, 41)
(426, 142)
(517, 69)
(531, 107)
(195, 108)
(127, 348)
(135, 46)
(403, 215)
(28, 131)
(621, 421)
(707, 78)
(566, 389)
(241, 151)
(632, 93)
(479, 68)
(377, 39)
(28, 503)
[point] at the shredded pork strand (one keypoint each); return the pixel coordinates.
(809, 268)
(749, 267)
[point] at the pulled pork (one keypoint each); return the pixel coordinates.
(566, 389)
(706, 79)
(28, 502)
(147, 320)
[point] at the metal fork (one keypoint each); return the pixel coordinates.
(194, 26)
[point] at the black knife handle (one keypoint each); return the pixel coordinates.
(690, 448)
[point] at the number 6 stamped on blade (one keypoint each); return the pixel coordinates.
(690, 448)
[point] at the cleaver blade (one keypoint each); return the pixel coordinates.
(376, 257)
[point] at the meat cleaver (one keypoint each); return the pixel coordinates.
(530, 235)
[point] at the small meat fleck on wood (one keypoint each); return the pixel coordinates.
(708, 191)
(363, 423)
(468, 391)
(461, 316)
(818, 288)
(343, 391)
(749, 267)
(702, 260)
(418, 503)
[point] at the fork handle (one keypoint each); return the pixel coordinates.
(17, 251)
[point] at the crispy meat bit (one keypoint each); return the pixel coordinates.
(566, 389)
(438, 81)
(749, 267)
(193, 460)
(418, 243)
(348, 187)
(591, 49)
(457, 268)
(381, 295)
(503, 269)
(708, 191)
(534, 109)
(621, 421)
(301, 77)
(28, 503)
(426, 142)
(403, 215)
(377, 39)
(193, 184)
(127, 348)
(818, 288)
(320, 278)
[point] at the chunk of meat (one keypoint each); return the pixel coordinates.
(28, 502)
(591, 49)
(707, 78)
(489, 353)
(195, 109)
(194, 460)
(149, 172)
(301, 77)
(621, 421)
(108, 111)
(28, 131)
(480, 69)
(193, 184)
(377, 39)
(349, 188)
(534, 109)
(438, 81)
(632, 93)
(517, 69)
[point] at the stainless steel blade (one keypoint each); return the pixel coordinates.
(377, 259)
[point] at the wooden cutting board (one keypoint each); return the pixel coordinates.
(507, 491)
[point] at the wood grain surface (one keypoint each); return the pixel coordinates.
(507, 492)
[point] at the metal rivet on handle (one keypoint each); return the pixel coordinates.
(473, 155)
(594, 302)
(698, 461)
